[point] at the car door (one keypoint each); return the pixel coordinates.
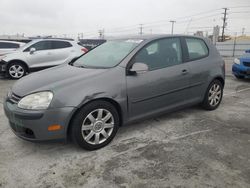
(165, 85)
(200, 65)
(62, 50)
(42, 55)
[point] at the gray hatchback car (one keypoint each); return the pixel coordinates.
(119, 82)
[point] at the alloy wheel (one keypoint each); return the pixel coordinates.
(214, 95)
(97, 126)
(16, 71)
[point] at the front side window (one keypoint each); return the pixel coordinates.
(8, 45)
(160, 54)
(108, 54)
(42, 45)
(196, 48)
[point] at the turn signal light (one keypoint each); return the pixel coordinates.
(54, 127)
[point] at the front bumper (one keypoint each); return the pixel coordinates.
(33, 125)
(2, 66)
(241, 70)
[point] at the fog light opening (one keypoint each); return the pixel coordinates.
(29, 132)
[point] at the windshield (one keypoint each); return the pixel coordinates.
(108, 54)
(26, 45)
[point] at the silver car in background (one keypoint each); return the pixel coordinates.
(116, 83)
(9, 46)
(39, 54)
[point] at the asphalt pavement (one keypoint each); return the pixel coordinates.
(188, 148)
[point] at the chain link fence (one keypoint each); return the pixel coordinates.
(233, 48)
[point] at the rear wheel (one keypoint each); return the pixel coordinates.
(213, 95)
(16, 70)
(95, 125)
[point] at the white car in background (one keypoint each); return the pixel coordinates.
(39, 54)
(9, 46)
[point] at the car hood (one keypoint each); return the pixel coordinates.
(54, 79)
(245, 57)
(10, 55)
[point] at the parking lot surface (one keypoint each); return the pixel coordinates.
(188, 148)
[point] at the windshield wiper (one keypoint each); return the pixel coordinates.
(80, 66)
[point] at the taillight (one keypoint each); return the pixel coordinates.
(84, 50)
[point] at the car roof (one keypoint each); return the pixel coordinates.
(52, 39)
(152, 37)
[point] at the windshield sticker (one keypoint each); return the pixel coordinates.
(134, 41)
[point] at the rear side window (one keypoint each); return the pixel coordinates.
(60, 44)
(196, 48)
(8, 45)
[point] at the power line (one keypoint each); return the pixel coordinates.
(239, 6)
(241, 12)
(180, 20)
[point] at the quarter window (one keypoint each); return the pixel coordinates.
(196, 48)
(160, 54)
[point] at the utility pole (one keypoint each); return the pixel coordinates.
(101, 33)
(243, 31)
(235, 36)
(173, 22)
(141, 28)
(224, 24)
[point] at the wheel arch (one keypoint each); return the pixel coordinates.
(222, 80)
(19, 61)
(111, 101)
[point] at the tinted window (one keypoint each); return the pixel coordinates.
(196, 48)
(8, 45)
(60, 44)
(161, 53)
(42, 45)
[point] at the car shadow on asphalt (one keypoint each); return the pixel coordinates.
(140, 126)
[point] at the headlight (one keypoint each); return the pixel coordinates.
(236, 61)
(36, 101)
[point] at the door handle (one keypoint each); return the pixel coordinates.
(184, 71)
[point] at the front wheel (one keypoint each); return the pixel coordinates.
(213, 95)
(95, 125)
(16, 70)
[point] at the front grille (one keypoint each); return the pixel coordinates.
(247, 64)
(13, 98)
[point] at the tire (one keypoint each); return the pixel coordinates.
(16, 70)
(88, 130)
(213, 95)
(239, 77)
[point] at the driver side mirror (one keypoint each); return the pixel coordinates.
(32, 50)
(139, 68)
